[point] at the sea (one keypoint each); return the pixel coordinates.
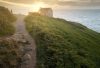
(88, 17)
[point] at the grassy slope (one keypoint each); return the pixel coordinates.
(63, 44)
(6, 21)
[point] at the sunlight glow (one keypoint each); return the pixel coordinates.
(36, 6)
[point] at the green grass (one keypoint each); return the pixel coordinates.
(63, 44)
(6, 22)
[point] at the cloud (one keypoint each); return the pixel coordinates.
(54, 2)
(79, 2)
(13, 3)
(21, 1)
(32, 1)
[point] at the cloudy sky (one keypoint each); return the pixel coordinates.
(30, 5)
(60, 2)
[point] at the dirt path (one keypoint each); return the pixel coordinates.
(22, 34)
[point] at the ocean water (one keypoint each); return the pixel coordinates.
(88, 17)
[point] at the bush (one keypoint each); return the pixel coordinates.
(9, 53)
(6, 22)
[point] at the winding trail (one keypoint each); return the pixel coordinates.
(21, 33)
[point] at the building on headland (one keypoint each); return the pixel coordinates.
(46, 12)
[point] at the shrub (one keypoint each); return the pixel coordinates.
(9, 53)
(6, 22)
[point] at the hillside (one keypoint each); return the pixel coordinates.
(63, 44)
(9, 48)
(6, 22)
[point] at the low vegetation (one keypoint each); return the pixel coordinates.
(9, 53)
(63, 44)
(6, 22)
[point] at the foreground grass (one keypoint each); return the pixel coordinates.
(6, 22)
(9, 53)
(63, 44)
(10, 56)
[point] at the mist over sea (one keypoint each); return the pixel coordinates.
(87, 17)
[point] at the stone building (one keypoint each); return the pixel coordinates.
(46, 12)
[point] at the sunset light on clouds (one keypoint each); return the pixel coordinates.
(35, 5)
(54, 2)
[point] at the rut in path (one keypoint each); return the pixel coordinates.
(21, 33)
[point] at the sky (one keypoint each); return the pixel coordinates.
(34, 5)
(60, 2)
